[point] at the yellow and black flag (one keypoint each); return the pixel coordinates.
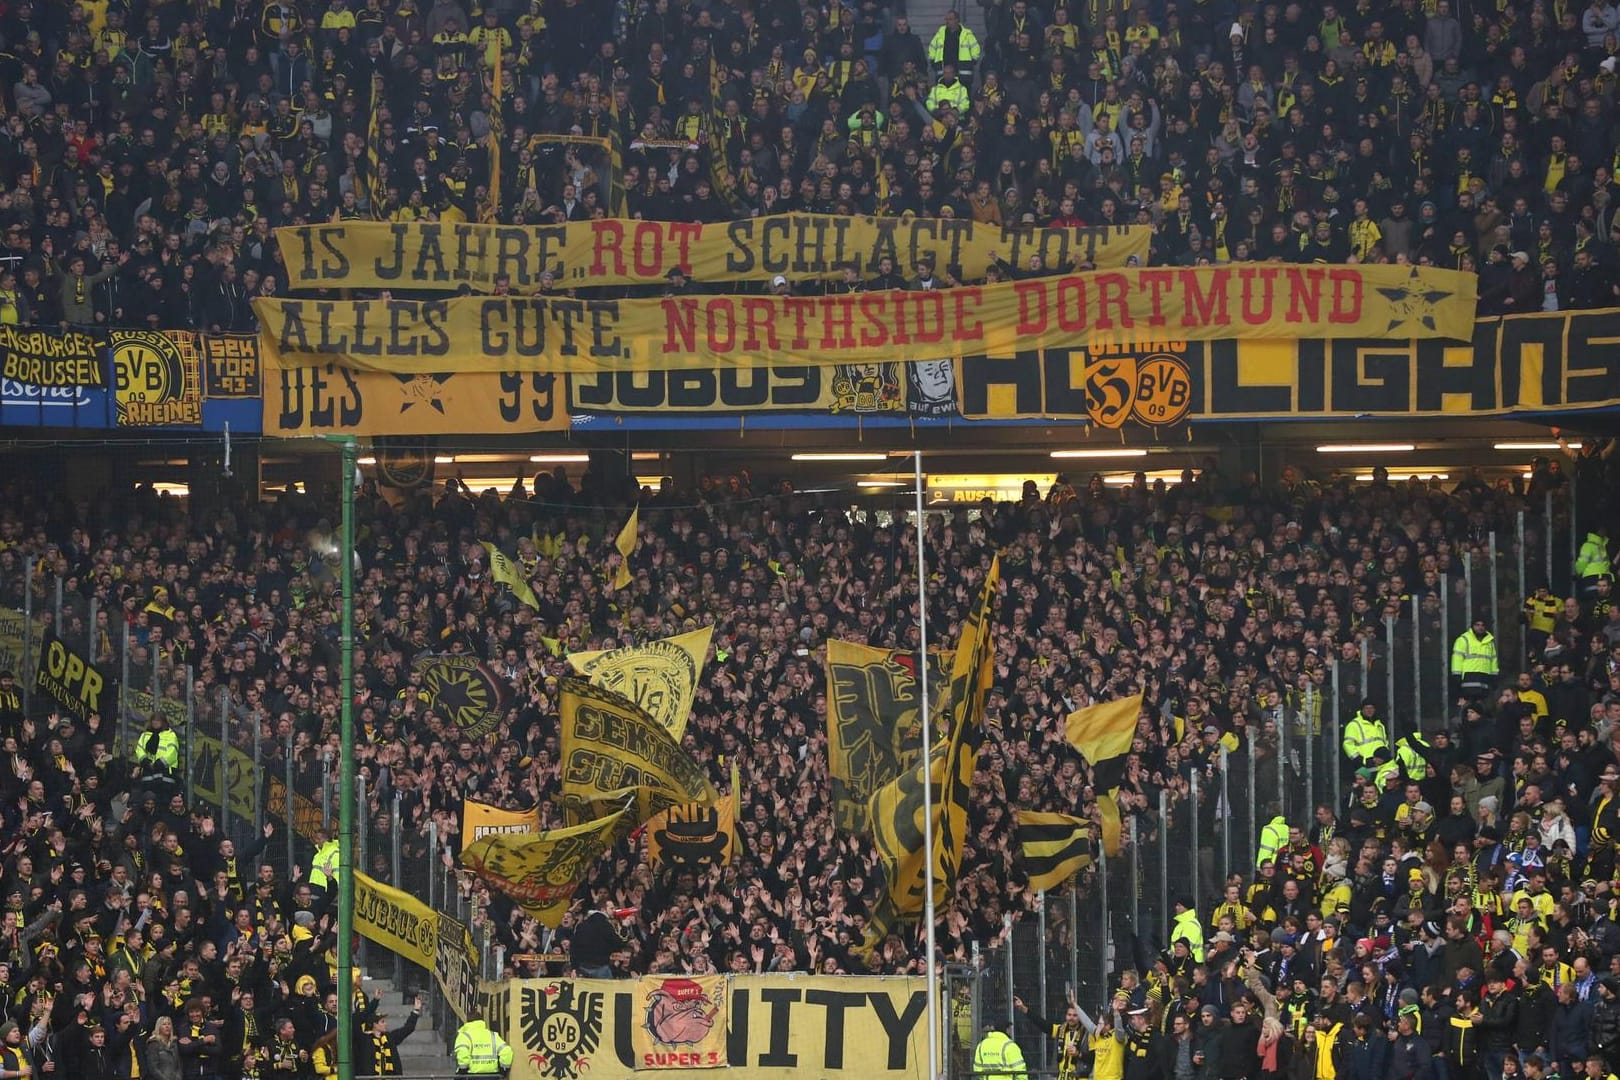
(874, 720)
(625, 544)
(1054, 847)
(505, 571)
(720, 178)
(1103, 733)
(659, 676)
(376, 189)
(896, 810)
(611, 747)
(695, 835)
(497, 133)
(463, 689)
(542, 871)
(616, 197)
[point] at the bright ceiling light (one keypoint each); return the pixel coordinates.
(1535, 446)
(1416, 475)
(444, 459)
(365, 461)
(1118, 452)
(560, 459)
(879, 483)
(840, 457)
(1366, 448)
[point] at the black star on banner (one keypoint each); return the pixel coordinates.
(423, 389)
(1413, 302)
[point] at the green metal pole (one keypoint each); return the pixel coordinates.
(346, 769)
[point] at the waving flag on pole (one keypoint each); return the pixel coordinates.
(497, 132)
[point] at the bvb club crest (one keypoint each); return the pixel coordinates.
(562, 1026)
(1155, 390)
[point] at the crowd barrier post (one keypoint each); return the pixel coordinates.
(499, 959)
(1389, 677)
(121, 737)
(287, 808)
(155, 686)
(258, 787)
(56, 616)
(1007, 933)
(93, 650)
(1445, 644)
(1366, 669)
(1417, 666)
(1107, 937)
(433, 902)
(1574, 530)
(1313, 735)
(1074, 929)
(1468, 585)
(1134, 868)
(28, 634)
(1254, 807)
(364, 827)
(1040, 962)
(1495, 613)
(1280, 718)
(188, 743)
(1333, 736)
(1518, 533)
(1226, 816)
(326, 792)
(398, 878)
(1194, 850)
(1164, 863)
(224, 760)
(1547, 539)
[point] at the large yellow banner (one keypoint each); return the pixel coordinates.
(479, 819)
(874, 720)
(577, 337)
(395, 920)
(541, 871)
(448, 256)
(329, 399)
(775, 1027)
(660, 676)
(610, 746)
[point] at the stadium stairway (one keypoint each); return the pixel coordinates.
(929, 15)
(424, 1054)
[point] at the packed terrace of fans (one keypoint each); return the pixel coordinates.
(150, 148)
(1216, 596)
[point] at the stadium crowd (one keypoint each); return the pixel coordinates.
(149, 147)
(131, 915)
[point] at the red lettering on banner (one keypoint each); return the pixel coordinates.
(1071, 305)
(1031, 306)
(1304, 293)
(837, 322)
(801, 308)
(684, 233)
(1347, 296)
(649, 235)
(874, 332)
(1158, 283)
(961, 329)
(680, 318)
(758, 314)
(1114, 291)
(929, 303)
(1268, 278)
(897, 318)
(608, 237)
(720, 323)
(1205, 308)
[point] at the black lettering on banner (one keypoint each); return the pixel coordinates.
(68, 678)
(1020, 373)
(778, 1055)
(231, 367)
(1371, 377)
(533, 392)
(1592, 365)
(324, 397)
(835, 1002)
